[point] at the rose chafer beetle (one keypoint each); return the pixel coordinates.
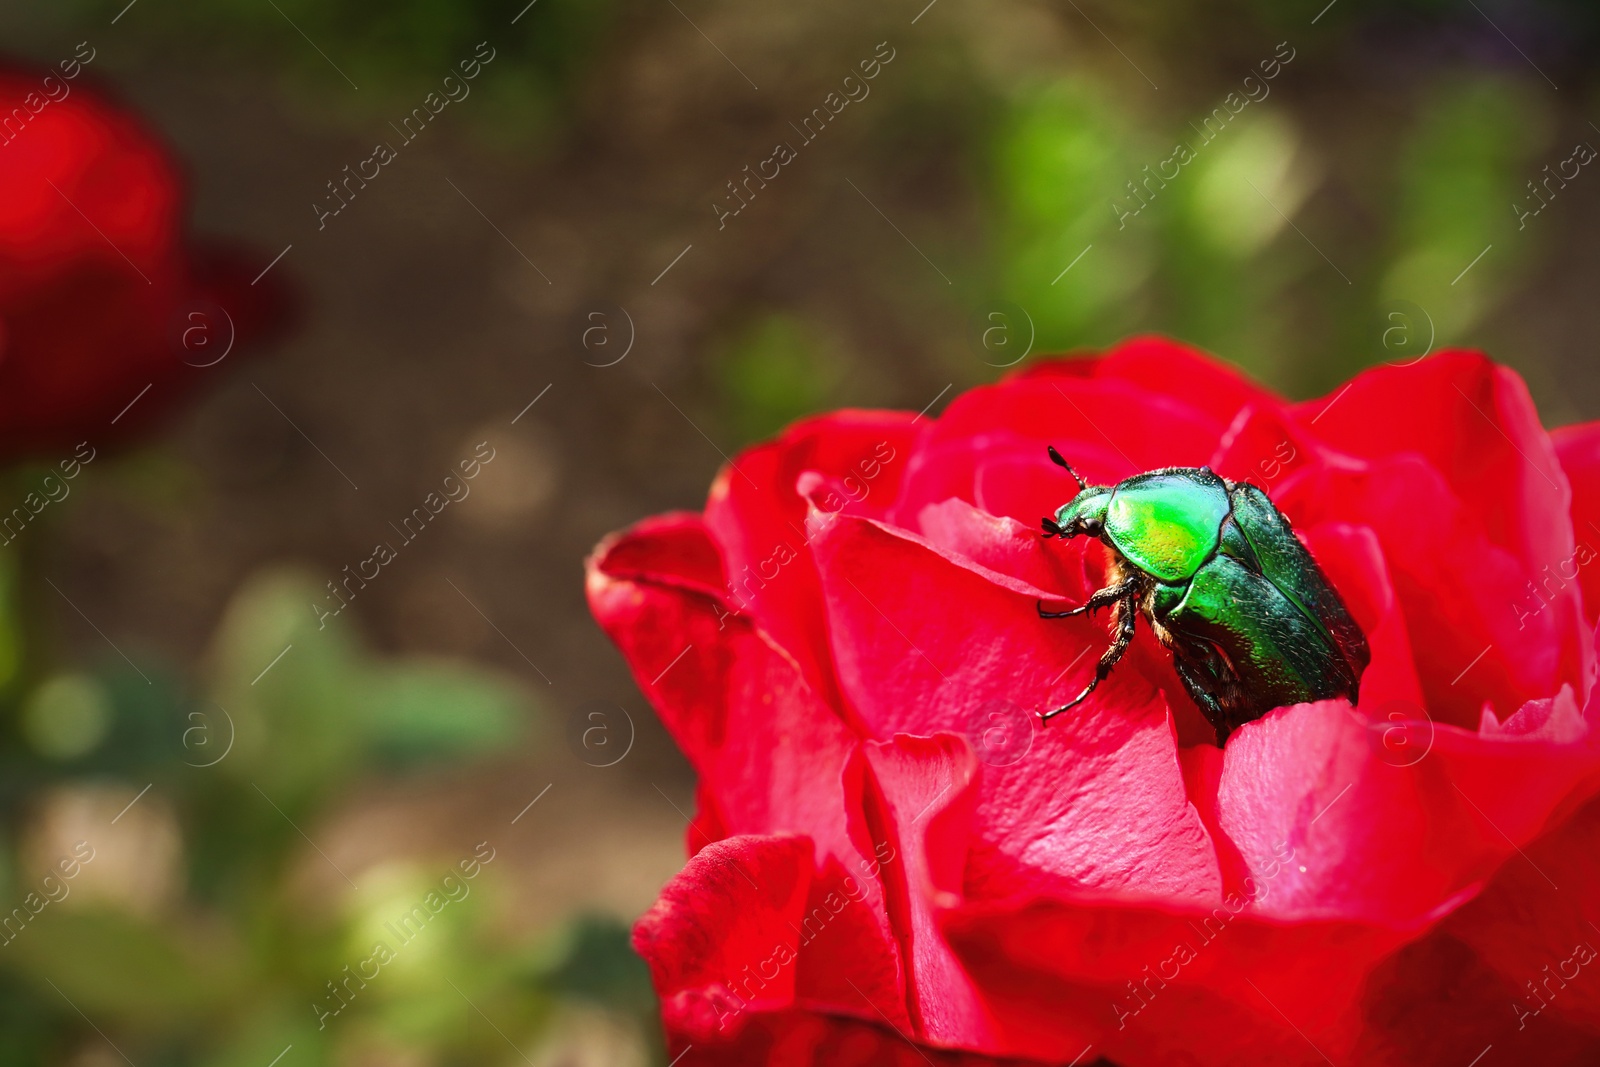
(1218, 574)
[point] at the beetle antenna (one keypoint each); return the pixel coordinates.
(1055, 457)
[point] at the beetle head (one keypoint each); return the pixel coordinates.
(1086, 512)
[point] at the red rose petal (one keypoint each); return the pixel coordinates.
(721, 938)
(1096, 800)
(843, 963)
(706, 825)
(925, 793)
(1002, 473)
(1079, 975)
(1019, 480)
(1381, 838)
(1353, 561)
(1144, 431)
(1168, 368)
(1579, 450)
(1474, 423)
(1106, 428)
(670, 549)
(102, 296)
(764, 746)
(809, 1039)
(1504, 969)
(1265, 445)
(758, 519)
(1476, 633)
(1529, 924)
(1436, 1002)
(1006, 546)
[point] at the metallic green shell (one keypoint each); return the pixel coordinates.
(1166, 523)
(1240, 631)
(1283, 560)
(1259, 626)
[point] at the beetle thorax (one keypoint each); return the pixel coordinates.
(1167, 523)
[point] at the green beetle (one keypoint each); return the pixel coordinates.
(1215, 569)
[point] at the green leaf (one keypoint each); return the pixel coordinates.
(419, 712)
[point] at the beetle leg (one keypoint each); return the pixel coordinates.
(1098, 599)
(1203, 698)
(1108, 659)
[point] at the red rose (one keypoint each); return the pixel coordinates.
(893, 864)
(100, 294)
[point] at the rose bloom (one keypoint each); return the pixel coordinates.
(894, 862)
(101, 294)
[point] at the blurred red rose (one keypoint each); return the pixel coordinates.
(101, 294)
(893, 863)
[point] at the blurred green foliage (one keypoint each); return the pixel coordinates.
(1222, 255)
(1328, 224)
(233, 961)
(1474, 147)
(1060, 156)
(395, 53)
(775, 369)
